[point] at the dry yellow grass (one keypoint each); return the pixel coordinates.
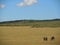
(28, 36)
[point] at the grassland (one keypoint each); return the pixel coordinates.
(25, 35)
(33, 23)
(30, 32)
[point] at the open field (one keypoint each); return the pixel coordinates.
(19, 35)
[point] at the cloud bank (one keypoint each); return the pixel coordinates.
(27, 3)
(2, 6)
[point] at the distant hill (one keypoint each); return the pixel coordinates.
(33, 23)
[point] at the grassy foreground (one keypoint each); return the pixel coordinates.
(25, 35)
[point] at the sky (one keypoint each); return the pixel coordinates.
(29, 9)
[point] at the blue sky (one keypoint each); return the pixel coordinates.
(32, 9)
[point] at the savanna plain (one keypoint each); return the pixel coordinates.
(25, 35)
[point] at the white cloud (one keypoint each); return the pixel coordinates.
(30, 2)
(27, 3)
(2, 6)
(20, 4)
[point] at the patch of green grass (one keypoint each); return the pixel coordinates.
(32, 23)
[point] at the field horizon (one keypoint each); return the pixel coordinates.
(32, 23)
